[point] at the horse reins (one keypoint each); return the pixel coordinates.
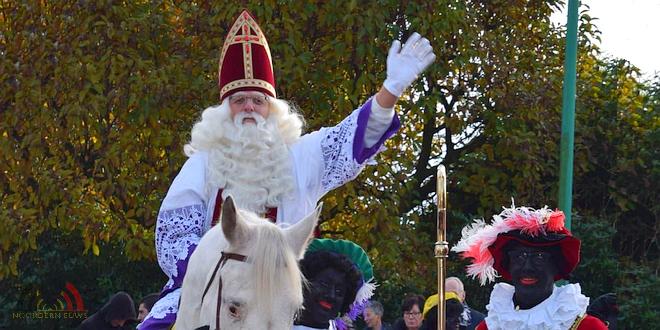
(225, 256)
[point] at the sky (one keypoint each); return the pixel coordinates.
(630, 29)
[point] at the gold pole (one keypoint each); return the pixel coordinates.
(441, 246)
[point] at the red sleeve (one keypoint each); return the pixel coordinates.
(592, 323)
(482, 326)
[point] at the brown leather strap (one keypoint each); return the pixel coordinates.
(223, 259)
(218, 305)
(208, 285)
(233, 256)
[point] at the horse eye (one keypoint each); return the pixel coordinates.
(234, 310)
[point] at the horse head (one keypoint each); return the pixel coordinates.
(256, 277)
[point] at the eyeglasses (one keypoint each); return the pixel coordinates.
(411, 314)
(538, 258)
(257, 100)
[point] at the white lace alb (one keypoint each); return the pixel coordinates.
(166, 305)
(176, 231)
(337, 148)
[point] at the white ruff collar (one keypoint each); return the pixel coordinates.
(557, 312)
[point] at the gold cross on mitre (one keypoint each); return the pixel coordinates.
(246, 31)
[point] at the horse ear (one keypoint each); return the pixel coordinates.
(232, 227)
(299, 234)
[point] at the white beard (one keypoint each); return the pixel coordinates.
(251, 163)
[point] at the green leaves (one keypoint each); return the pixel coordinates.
(78, 149)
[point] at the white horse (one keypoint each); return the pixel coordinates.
(257, 278)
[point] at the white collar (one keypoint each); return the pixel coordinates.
(557, 312)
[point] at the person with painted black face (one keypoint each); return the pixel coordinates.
(530, 249)
(340, 284)
(332, 286)
(532, 271)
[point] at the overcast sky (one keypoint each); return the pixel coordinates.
(630, 29)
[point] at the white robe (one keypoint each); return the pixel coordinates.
(322, 160)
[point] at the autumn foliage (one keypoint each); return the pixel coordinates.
(98, 98)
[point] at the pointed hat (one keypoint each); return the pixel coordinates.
(245, 61)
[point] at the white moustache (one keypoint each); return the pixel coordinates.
(239, 117)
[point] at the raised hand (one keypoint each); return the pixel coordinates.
(405, 64)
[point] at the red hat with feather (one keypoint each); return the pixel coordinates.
(486, 244)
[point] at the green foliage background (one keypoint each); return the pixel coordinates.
(99, 97)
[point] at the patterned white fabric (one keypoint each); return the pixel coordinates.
(557, 312)
(176, 231)
(166, 305)
(337, 146)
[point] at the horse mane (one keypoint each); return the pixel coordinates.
(268, 253)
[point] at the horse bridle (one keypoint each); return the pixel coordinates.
(225, 256)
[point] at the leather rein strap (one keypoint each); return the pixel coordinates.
(225, 256)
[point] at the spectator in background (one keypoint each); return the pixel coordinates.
(453, 311)
(470, 317)
(117, 314)
(606, 309)
(373, 316)
(411, 308)
(145, 306)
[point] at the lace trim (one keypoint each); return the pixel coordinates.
(558, 312)
(166, 305)
(176, 230)
(337, 148)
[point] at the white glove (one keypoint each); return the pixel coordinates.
(404, 65)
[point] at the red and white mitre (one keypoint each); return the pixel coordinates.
(245, 61)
